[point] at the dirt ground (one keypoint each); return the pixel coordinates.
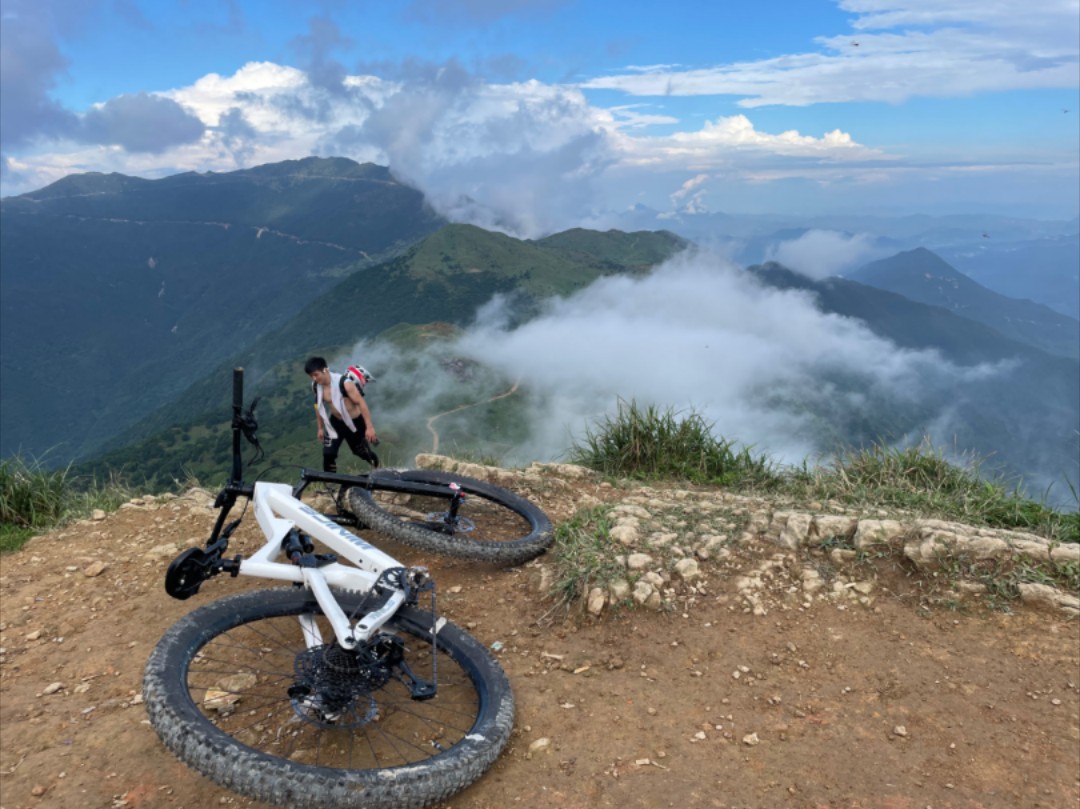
(845, 706)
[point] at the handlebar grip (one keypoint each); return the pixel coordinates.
(238, 388)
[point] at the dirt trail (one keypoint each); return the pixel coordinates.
(846, 706)
(431, 421)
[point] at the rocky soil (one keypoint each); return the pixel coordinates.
(747, 653)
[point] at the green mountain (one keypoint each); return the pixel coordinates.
(126, 303)
(907, 323)
(1021, 415)
(1044, 269)
(922, 276)
(118, 293)
(412, 302)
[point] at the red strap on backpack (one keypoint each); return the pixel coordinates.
(357, 375)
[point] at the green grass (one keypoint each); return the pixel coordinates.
(653, 444)
(650, 444)
(583, 555)
(13, 537)
(920, 480)
(30, 494)
(34, 499)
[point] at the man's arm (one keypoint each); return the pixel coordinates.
(357, 398)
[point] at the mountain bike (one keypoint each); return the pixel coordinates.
(346, 689)
(440, 512)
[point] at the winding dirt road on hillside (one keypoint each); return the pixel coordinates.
(887, 701)
(431, 421)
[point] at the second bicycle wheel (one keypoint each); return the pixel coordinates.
(253, 692)
(487, 523)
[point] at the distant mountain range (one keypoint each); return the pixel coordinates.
(1024, 418)
(1045, 270)
(921, 276)
(125, 302)
(1026, 259)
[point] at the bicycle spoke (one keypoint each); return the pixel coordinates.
(241, 681)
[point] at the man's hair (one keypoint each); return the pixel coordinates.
(314, 364)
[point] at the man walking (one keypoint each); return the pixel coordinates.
(341, 414)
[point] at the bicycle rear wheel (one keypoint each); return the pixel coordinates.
(233, 690)
(490, 524)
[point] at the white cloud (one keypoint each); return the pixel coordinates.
(256, 82)
(819, 254)
(523, 157)
(719, 138)
(699, 334)
(691, 194)
(530, 157)
(951, 48)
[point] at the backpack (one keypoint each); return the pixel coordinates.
(357, 374)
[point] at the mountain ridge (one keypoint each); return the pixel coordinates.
(923, 276)
(149, 285)
(451, 292)
(153, 300)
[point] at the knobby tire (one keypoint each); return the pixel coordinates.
(216, 690)
(504, 528)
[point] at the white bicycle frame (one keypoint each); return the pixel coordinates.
(278, 512)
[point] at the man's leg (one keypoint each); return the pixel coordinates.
(358, 444)
(330, 452)
(362, 449)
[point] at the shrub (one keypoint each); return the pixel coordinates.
(652, 444)
(34, 498)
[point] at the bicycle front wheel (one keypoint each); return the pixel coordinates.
(489, 524)
(236, 693)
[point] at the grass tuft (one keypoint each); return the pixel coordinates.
(30, 494)
(34, 499)
(584, 555)
(651, 444)
(919, 479)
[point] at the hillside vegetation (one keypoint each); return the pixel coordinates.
(653, 445)
(415, 301)
(145, 286)
(163, 287)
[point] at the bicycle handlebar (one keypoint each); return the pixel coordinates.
(242, 424)
(238, 407)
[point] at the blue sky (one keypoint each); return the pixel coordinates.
(546, 114)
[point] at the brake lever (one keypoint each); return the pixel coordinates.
(248, 425)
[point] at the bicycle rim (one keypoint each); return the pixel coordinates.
(491, 524)
(236, 694)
